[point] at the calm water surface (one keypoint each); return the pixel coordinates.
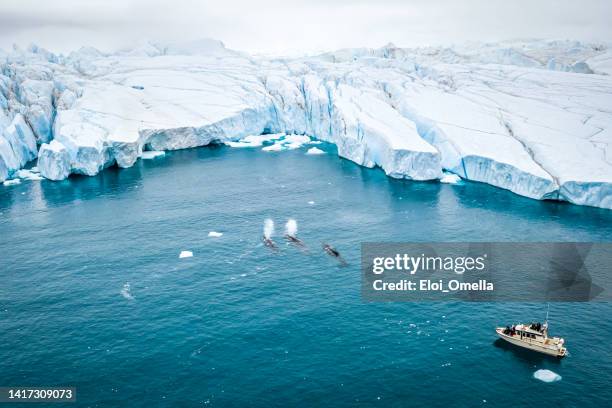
(237, 325)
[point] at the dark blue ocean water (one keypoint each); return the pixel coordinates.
(237, 325)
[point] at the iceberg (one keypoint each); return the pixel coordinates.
(450, 178)
(11, 182)
(315, 150)
(215, 234)
(531, 117)
(28, 175)
(186, 254)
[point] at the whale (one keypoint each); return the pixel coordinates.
(269, 243)
(294, 240)
(330, 250)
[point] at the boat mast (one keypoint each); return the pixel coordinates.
(546, 321)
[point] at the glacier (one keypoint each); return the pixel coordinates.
(532, 117)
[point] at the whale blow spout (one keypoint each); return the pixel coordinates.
(291, 233)
(268, 232)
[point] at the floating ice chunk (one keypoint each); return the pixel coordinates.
(547, 376)
(260, 139)
(152, 154)
(185, 254)
(450, 178)
(28, 175)
(302, 139)
(35, 169)
(241, 144)
(12, 182)
(315, 150)
(126, 292)
(215, 234)
(276, 147)
(311, 202)
(295, 141)
(255, 140)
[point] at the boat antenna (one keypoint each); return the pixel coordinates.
(545, 328)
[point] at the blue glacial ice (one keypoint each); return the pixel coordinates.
(531, 117)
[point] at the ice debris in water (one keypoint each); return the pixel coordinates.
(28, 175)
(450, 178)
(295, 141)
(185, 254)
(215, 234)
(126, 292)
(12, 182)
(288, 142)
(276, 147)
(547, 376)
(311, 202)
(315, 150)
(152, 154)
(255, 140)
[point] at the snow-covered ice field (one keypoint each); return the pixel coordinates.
(532, 117)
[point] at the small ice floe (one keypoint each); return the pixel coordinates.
(215, 234)
(295, 141)
(276, 147)
(126, 292)
(12, 182)
(450, 178)
(315, 150)
(239, 144)
(255, 140)
(185, 254)
(311, 202)
(28, 175)
(547, 376)
(288, 142)
(152, 154)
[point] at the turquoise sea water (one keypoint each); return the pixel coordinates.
(238, 325)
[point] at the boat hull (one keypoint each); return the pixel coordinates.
(533, 346)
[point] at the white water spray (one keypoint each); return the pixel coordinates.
(268, 229)
(291, 228)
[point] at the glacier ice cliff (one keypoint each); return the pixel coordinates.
(532, 117)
